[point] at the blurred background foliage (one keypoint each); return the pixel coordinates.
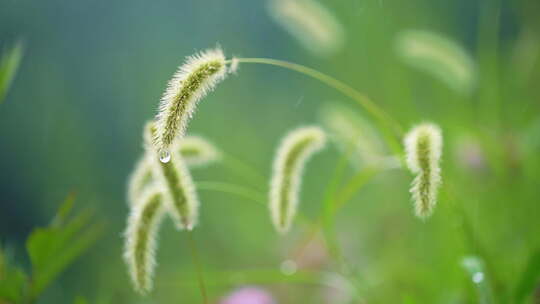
(93, 72)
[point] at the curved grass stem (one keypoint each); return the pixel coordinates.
(196, 261)
(244, 192)
(241, 191)
(385, 120)
(245, 170)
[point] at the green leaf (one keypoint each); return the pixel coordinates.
(529, 279)
(54, 248)
(12, 281)
(64, 210)
(9, 63)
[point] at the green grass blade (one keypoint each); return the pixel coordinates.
(9, 63)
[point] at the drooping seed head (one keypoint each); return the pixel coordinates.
(439, 56)
(141, 238)
(197, 151)
(290, 159)
(175, 182)
(193, 80)
(357, 138)
(423, 146)
(194, 150)
(312, 24)
(140, 178)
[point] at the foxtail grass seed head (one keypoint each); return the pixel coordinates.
(193, 80)
(140, 178)
(197, 151)
(439, 56)
(141, 238)
(423, 146)
(194, 150)
(312, 24)
(290, 159)
(356, 137)
(175, 182)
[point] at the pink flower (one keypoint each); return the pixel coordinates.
(248, 295)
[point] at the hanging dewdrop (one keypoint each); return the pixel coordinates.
(175, 182)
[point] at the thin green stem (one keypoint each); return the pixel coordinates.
(198, 266)
(329, 193)
(386, 121)
(245, 192)
(348, 191)
(244, 169)
(340, 199)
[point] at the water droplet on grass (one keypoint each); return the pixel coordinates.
(164, 156)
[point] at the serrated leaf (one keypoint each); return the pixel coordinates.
(54, 248)
(9, 63)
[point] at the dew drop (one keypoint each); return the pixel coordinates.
(164, 156)
(288, 267)
(478, 277)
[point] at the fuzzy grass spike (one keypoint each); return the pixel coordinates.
(140, 179)
(141, 238)
(174, 180)
(195, 152)
(193, 80)
(291, 157)
(423, 145)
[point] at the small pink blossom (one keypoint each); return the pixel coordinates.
(248, 295)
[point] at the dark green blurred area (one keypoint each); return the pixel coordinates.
(93, 72)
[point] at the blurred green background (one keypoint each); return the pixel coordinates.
(92, 74)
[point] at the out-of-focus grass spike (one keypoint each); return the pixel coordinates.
(140, 179)
(356, 137)
(289, 162)
(175, 182)
(141, 238)
(312, 24)
(438, 56)
(194, 150)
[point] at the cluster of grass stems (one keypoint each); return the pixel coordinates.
(162, 184)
